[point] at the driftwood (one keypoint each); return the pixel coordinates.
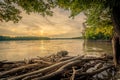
(65, 58)
(32, 76)
(59, 71)
(58, 67)
(94, 72)
(15, 70)
(42, 61)
(73, 75)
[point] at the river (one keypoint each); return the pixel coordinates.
(19, 50)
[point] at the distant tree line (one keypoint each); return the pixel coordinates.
(67, 38)
(6, 38)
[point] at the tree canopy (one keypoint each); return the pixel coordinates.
(97, 11)
(10, 9)
(99, 33)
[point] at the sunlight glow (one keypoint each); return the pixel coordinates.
(59, 25)
(42, 45)
(42, 32)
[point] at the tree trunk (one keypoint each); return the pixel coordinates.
(116, 37)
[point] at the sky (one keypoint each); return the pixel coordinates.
(57, 26)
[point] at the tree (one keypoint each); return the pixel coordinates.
(99, 12)
(99, 33)
(10, 9)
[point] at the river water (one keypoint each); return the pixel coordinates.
(19, 50)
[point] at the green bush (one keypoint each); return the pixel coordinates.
(96, 33)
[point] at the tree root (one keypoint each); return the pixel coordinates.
(44, 70)
(73, 75)
(64, 68)
(15, 70)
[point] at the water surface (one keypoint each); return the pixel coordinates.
(19, 50)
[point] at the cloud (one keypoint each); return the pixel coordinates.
(58, 25)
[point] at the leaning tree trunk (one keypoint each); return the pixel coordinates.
(116, 36)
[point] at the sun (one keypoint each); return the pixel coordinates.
(41, 32)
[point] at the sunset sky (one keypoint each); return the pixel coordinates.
(59, 25)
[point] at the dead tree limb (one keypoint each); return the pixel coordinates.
(57, 65)
(73, 75)
(32, 76)
(59, 71)
(15, 70)
(94, 72)
(65, 58)
(42, 61)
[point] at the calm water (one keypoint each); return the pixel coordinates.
(19, 50)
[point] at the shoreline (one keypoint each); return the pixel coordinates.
(58, 66)
(99, 40)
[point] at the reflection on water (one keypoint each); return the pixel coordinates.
(97, 47)
(18, 50)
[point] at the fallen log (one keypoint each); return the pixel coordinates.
(83, 67)
(57, 65)
(62, 69)
(32, 76)
(59, 71)
(42, 61)
(73, 75)
(65, 58)
(15, 70)
(94, 72)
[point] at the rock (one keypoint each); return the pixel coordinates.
(62, 53)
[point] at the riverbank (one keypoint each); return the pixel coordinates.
(59, 66)
(99, 40)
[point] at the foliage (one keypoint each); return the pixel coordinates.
(95, 33)
(98, 11)
(9, 12)
(10, 9)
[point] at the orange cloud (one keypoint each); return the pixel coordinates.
(58, 25)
